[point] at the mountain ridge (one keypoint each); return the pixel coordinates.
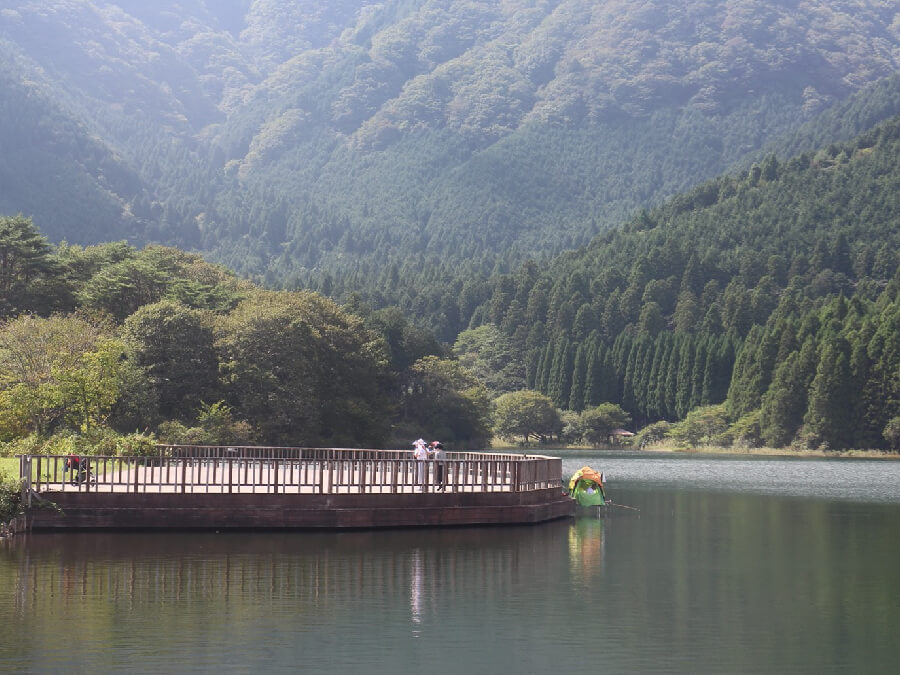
(294, 141)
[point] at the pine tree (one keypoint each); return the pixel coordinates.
(576, 397)
(784, 404)
(829, 415)
(701, 358)
(685, 371)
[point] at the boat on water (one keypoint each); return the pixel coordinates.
(586, 488)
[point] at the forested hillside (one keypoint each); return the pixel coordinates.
(54, 167)
(773, 291)
(105, 349)
(361, 146)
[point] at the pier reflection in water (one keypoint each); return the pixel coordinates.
(697, 581)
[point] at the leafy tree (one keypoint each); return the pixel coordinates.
(892, 433)
(62, 369)
(652, 434)
(303, 371)
(442, 397)
(175, 347)
(488, 354)
(528, 414)
(600, 421)
(701, 426)
(406, 342)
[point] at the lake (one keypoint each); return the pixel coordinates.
(731, 565)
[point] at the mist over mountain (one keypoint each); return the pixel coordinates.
(359, 143)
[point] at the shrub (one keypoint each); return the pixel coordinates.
(136, 445)
(652, 434)
(10, 498)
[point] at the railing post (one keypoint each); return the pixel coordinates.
(25, 474)
(275, 474)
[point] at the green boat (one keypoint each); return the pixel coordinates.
(586, 487)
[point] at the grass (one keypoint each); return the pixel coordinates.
(9, 466)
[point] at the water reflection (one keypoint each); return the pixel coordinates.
(696, 581)
(586, 548)
(415, 589)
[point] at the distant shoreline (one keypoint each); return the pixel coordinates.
(708, 450)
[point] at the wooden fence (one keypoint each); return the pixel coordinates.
(271, 470)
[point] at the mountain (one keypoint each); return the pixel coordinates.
(371, 147)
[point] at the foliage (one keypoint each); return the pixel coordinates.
(24, 261)
(320, 382)
(407, 150)
(441, 397)
(702, 426)
(791, 341)
(10, 498)
(488, 354)
(600, 421)
(60, 369)
(174, 346)
(892, 432)
(745, 432)
(525, 413)
(215, 426)
(652, 434)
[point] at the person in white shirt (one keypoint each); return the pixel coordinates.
(420, 452)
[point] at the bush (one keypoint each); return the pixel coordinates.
(97, 441)
(216, 426)
(892, 433)
(701, 426)
(136, 445)
(652, 434)
(10, 498)
(745, 433)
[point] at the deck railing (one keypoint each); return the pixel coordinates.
(272, 470)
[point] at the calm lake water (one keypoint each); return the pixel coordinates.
(732, 565)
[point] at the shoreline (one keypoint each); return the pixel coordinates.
(711, 450)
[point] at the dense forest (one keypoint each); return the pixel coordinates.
(367, 147)
(772, 292)
(762, 307)
(538, 220)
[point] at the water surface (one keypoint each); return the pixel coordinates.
(731, 565)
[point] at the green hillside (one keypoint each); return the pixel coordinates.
(56, 169)
(774, 291)
(348, 145)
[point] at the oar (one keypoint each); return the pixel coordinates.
(622, 506)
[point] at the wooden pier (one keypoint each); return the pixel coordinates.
(228, 487)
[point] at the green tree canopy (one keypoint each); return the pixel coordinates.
(304, 371)
(444, 400)
(525, 413)
(600, 421)
(175, 346)
(24, 259)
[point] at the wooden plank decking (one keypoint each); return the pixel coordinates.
(191, 487)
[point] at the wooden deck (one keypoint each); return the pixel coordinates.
(216, 487)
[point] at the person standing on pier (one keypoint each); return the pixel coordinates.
(420, 452)
(437, 454)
